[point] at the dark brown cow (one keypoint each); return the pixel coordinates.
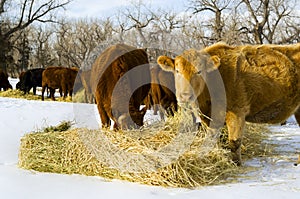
(4, 83)
(59, 78)
(118, 78)
(162, 91)
(18, 85)
(262, 84)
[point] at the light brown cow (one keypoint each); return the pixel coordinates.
(59, 78)
(120, 79)
(262, 83)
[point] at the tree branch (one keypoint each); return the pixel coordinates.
(37, 15)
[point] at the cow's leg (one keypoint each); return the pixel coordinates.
(27, 89)
(116, 126)
(85, 97)
(65, 91)
(48, 91)
(105, 120)
(34, 90)
(60, 92)
(70, 93)
(52, 91)
(297, 116)
(43, 91)
(168, 105)
(157, 96)
(235, 124)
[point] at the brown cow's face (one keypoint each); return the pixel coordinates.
(190, 71)
(133, 120)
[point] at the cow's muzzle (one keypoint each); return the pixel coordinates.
(185, 97)
(191, 108)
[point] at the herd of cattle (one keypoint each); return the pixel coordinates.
(51, 78)
(261, 82)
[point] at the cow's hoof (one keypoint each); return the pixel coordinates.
(237, 161)
(235, 146)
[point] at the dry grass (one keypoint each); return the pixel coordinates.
(79, 97)
(159, 154)
(20, 94)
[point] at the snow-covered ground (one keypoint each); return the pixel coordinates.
(275, 176)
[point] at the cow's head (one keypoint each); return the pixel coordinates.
(132, 120)
(190, 70)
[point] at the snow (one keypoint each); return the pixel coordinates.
(274, 177)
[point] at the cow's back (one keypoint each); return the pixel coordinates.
(51, 76)
(70, 77)
(261, 81)
(102, 67)
(109, 70)
(106, 72)
(37, 76)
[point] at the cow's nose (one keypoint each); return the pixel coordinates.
(186, 97)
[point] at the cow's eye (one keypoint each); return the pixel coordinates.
(199, 72)
(176, 71)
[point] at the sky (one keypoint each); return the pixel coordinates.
(105, 8)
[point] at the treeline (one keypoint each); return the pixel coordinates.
(76, 42)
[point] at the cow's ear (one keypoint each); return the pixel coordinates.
(213, 63)
(166, 63)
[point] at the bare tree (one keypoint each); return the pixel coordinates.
(2, 2)
(291, 32)
(216, 7)
(41, 45)
(30, 11)
(139, 18)
(164, 28)
(266, 18)
(121, 27)
(77, 39)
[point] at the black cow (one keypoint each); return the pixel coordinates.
(4, 83)
(31, 79)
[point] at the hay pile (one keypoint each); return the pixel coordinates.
(19, 94)
(158, 154)
(29, 96)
